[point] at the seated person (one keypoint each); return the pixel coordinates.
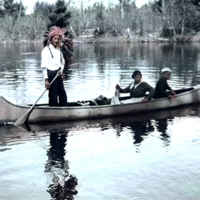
(162, 86)
(137, 88)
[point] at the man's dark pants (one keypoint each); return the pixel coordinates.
(56, 90)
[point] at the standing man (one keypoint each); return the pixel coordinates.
(52, 62)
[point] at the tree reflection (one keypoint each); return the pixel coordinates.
(62, 184)
(100, 54)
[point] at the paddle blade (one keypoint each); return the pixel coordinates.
(23, 118)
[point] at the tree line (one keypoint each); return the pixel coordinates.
(165, 18)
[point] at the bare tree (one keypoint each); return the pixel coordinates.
(171, 8)
(121, 8)
(183, 20)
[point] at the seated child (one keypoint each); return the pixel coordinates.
(162, 86)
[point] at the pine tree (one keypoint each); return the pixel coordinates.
(99, 18)
(197, 4)
(59, 16)
(11, 8)
(43, 8)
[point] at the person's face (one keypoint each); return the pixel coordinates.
(55, 40)
(59, 42)
(166, 75)
(137, 79)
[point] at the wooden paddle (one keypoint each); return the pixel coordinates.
(26, 115)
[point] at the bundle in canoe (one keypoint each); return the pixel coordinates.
(10, 112)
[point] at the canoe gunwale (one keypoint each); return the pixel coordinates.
(94, 107)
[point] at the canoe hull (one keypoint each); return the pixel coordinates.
(10, 112)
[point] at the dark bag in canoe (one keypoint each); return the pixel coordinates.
(101, 100)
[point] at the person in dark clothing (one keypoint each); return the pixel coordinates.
(138, 89)
(56, 91)
(162, 88)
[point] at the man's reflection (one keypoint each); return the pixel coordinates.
(141, 129)
(162, 128)
(62, 184)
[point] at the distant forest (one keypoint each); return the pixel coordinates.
(162, 18)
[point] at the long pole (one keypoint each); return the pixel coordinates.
(26, 115)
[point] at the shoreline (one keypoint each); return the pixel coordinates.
(109, 39)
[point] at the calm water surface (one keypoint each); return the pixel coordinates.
(151, 156)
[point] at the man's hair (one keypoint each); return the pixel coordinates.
(162, 73)
(135, 73)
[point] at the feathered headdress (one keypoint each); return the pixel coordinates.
(66, 42)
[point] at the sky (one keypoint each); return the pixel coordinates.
(30, 3)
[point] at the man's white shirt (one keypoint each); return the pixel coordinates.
(49, 62)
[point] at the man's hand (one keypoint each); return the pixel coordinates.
(145, 100)
(173, 93)
(62, 75)
(47, 84)
(171, 97)
(117, 87)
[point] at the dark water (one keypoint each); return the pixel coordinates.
(151, 156)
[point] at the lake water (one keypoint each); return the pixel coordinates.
(147, 156)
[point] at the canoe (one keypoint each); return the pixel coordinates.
(10, 112)
(117, 122)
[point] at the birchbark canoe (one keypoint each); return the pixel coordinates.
(10, 112)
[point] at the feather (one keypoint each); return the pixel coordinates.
(66, 42)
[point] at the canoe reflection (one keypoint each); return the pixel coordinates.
(140, 125)
(61, 183)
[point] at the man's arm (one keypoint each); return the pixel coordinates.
(168, 87)
(47, 84)
(150, 90)
(44, 63)
(125, 90)
(161, 90)
(172, 91)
